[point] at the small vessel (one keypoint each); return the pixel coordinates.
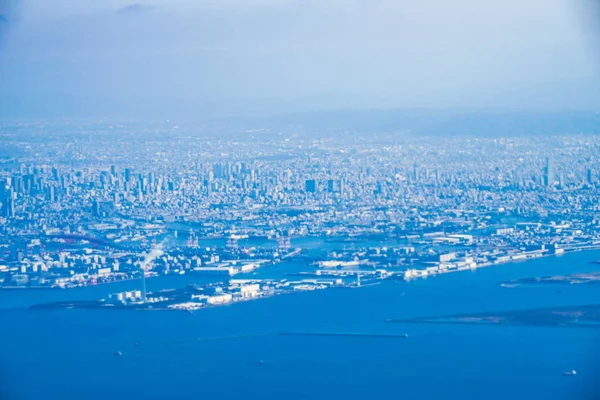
(570, 373)
(118, 353)
(508, 285)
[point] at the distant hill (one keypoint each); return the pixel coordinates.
(422, 122)
(436, 122)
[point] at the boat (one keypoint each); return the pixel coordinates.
(118, 353)
(570, 373)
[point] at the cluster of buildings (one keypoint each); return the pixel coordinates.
(92, 266)
(87, 204)
(195, 297)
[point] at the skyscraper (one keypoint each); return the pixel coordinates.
(8, 203)
(10, 208)
(549, 172)
(310, 185)
(96, 208)
(331, 185)
(50, 194)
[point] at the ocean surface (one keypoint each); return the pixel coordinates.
(238, 351)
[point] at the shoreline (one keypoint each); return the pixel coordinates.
(97, 303)
(23, 288)
(487, 265)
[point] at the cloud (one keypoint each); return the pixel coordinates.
(135, 9)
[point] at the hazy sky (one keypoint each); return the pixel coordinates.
(69, 57)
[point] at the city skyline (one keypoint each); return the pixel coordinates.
(299, 199)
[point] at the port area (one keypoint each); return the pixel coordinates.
(585, 316)
(592, 277)
(195, 297)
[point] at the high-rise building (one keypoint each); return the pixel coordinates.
(8, 203)
(10, 208)
(335, 186)
(96, 208)
(590, 179)
(549, 172)
(310, 185)
(151, 178)
(55, 174)
(331, 184)
(50, 194)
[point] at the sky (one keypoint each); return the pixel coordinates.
(230, 57)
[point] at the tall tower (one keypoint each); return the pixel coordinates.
(8, 206)
(549, 172)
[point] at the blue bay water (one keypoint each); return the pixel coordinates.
(236, 351)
